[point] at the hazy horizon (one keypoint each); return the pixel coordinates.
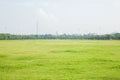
(64, 16)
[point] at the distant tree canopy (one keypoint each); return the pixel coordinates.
(115, 36)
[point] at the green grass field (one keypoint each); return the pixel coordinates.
(59, 60)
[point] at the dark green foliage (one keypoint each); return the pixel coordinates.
(115, 36)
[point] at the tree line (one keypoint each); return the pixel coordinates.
(90, 36)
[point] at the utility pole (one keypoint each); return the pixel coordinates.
(57, 34)
(37, 23)
(100, 30)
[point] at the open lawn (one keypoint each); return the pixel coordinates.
(59, 60)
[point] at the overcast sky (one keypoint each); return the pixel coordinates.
(61, 16)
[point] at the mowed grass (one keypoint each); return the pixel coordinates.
(59, 60)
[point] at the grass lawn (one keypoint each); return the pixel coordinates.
(59, 60)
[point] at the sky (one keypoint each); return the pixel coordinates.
(59, 16)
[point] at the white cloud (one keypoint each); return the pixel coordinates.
(46, 15)
(42, 13)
